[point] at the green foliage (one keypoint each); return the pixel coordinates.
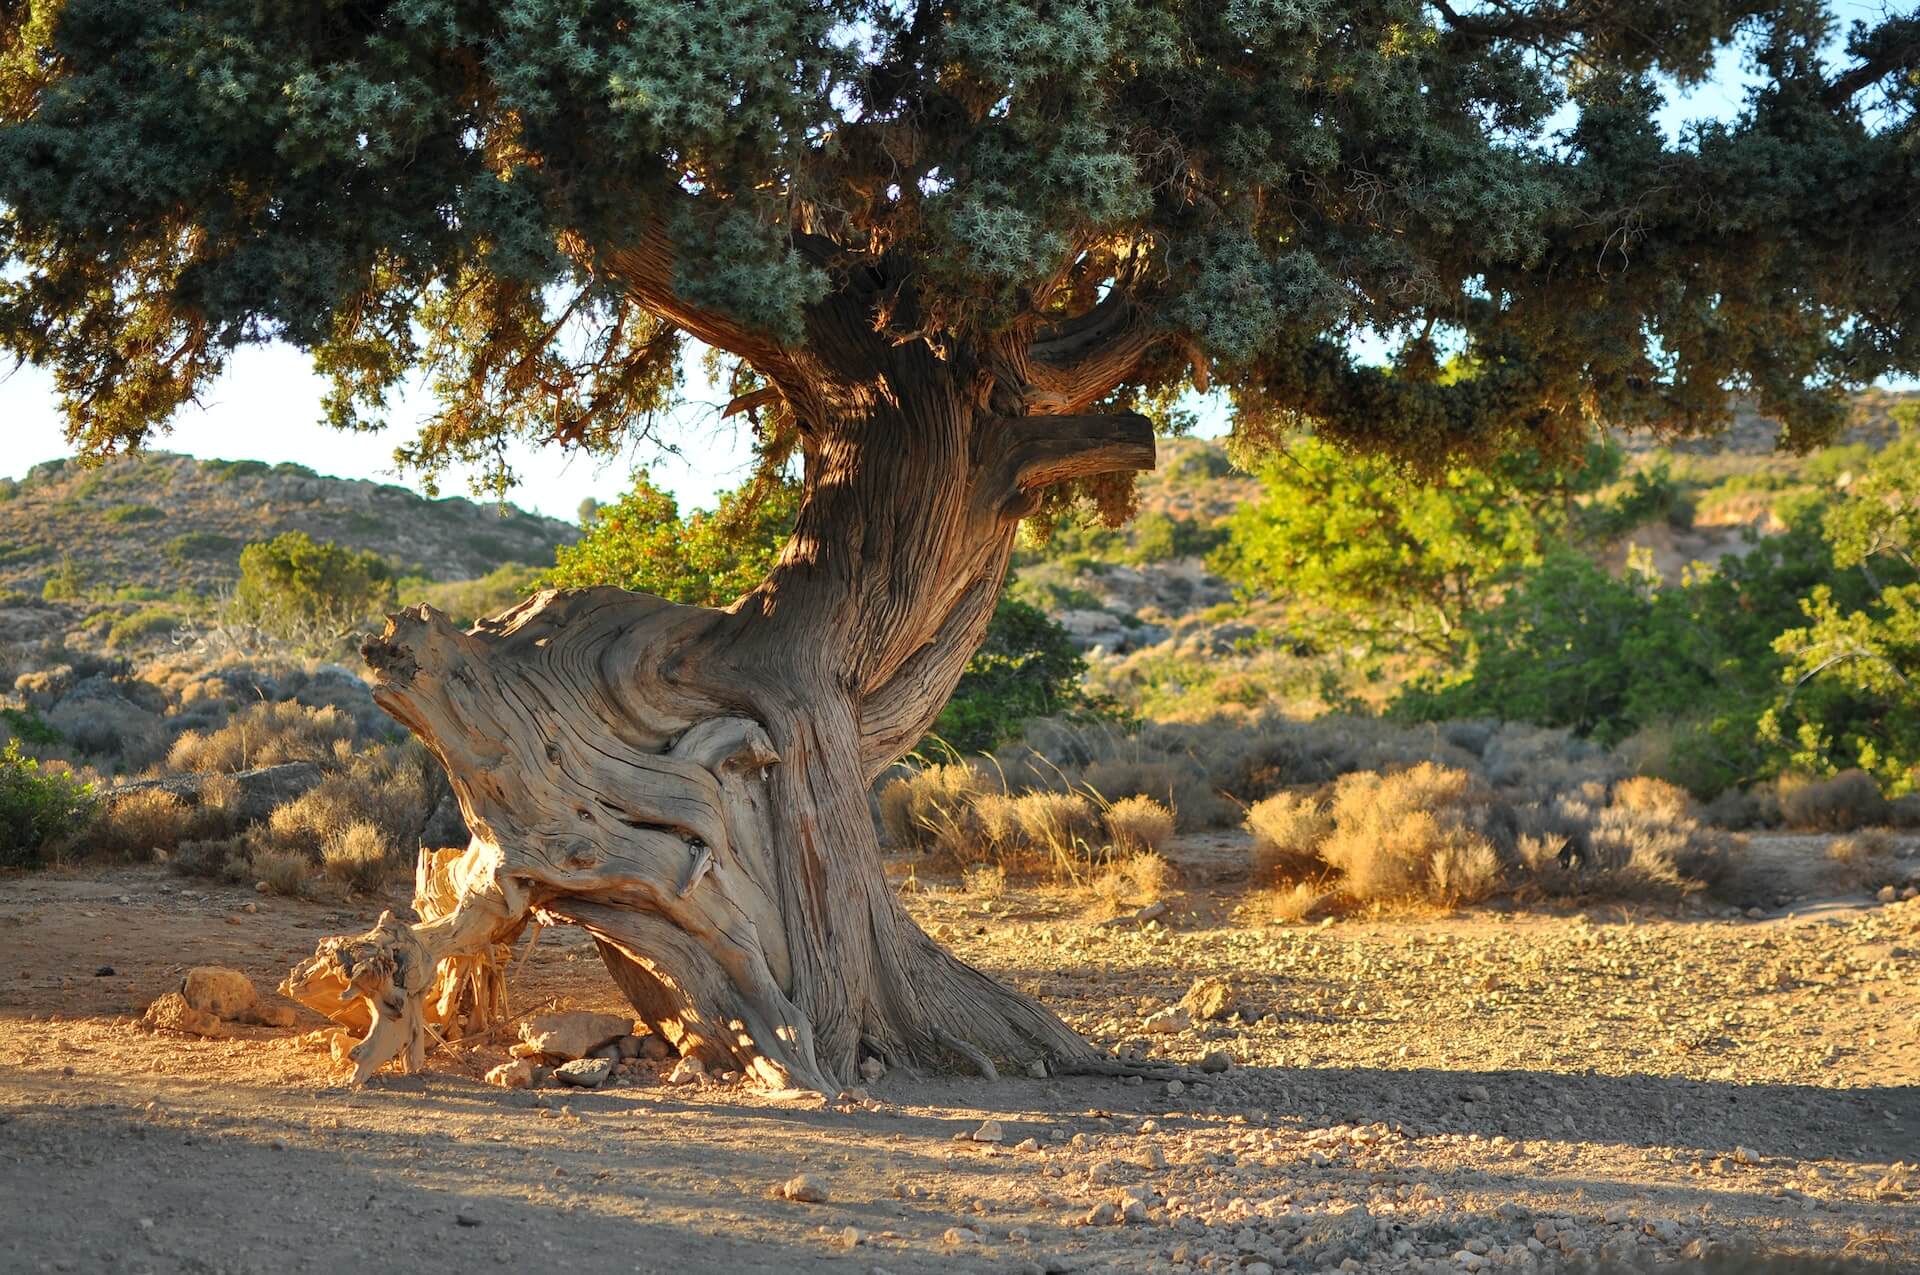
(1393, 559)
(489, 194)
(229, 470)
(28, 726)
(143, 626)
(66, 584)
(1795, 656)
(38, 810)
(122, 515)
(200, 546)
(1852, 699)
(9, 488)
(641, 542)
(1028, 667)
(306, 590)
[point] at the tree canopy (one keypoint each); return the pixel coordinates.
(537, 202)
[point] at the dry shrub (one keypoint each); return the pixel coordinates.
(264, 735)
(986, 880)
(1287, 831)
(1426, 833)
(151, 819)
(1181, 786)
(1849, 800)
(226, 859)
(1865, 860)
(1291, 904)
(1575, 846)
(387, 787)
(358, 857)
(1060, 828)
(1138, 824)
(1652, 796)
(141, 822)
(921, 808)
(287, 872)
(1132, 881)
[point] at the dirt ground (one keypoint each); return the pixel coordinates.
(1504, 1090)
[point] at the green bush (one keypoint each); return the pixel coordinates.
(65, 584)
(29, 726)
(200, 546)
(641, 542)
(143, 626)
(1027, 667)
(1397, 561)
(121, 515)
(228, 470)
(306, 590)
(38, 810)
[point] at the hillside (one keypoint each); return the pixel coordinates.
(161, 522)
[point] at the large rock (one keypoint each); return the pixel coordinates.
(572, 1033)
(1209, 998)
(96, 716)
(219, 991)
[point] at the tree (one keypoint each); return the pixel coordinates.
(307, 590)
(1852, 699)
(1395, 560)
(1025, 667)
(945, 252)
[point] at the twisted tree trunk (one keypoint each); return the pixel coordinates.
(690, 784)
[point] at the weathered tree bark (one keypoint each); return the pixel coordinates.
(690, 785)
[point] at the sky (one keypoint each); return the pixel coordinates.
(267, 407)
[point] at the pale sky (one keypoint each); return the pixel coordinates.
(267, 407)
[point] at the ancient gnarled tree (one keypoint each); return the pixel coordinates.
(949, 256)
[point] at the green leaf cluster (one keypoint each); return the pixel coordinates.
(39, 809)
(1396, 560)
(308, 590)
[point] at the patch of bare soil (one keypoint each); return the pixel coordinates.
(1502, 1091)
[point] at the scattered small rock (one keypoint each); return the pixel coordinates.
(1169, 1021)
(804, 1189)
(584, 1073)
(688, 1071)
(517, 1074)
(961, 1235)
(989, 1131)
(1209, 998)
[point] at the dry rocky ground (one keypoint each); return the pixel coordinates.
(1501, 1090)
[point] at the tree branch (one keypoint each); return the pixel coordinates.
(1028, 453)
(647, 270)
(1078, 362)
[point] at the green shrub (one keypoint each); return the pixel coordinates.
(121, 515)
(28, 726)
(39, 810)
(310, 591)
(65, 584)
(641, 542)
(228, 470)
(200, 546)
(142, 626)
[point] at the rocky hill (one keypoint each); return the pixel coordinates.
(161, 521)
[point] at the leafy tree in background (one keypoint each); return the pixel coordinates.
(640, 542)
(1395, 560)
(1853, 665)
(944, 251)
(310, 591)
